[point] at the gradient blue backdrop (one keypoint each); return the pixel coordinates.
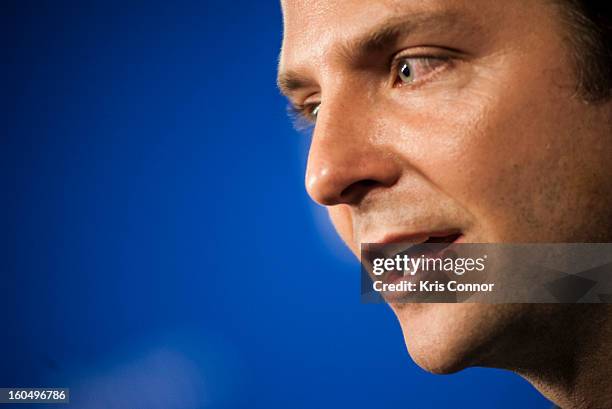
(158, 246)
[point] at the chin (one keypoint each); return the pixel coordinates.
(446, 338)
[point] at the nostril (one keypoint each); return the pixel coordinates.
(358, 189)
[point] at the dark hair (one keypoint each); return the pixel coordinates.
(590, 43)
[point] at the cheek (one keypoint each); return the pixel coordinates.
(340, 216)
(497, 150)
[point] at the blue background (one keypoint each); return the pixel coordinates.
(158, 247)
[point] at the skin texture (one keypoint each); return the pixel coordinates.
(492, 139)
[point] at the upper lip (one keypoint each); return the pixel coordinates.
(415, 238)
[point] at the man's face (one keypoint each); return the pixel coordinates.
(448, 118)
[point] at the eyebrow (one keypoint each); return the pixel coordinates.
(291, 81)
(377, 39)
(389, 31)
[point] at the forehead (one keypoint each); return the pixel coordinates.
(312, 27)
(320, 22)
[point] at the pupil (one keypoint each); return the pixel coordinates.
(406, 71)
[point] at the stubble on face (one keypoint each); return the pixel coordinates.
(498, 146)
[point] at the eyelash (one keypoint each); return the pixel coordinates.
(302, 117)
(303, 114)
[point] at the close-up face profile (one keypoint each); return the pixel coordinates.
(458, 121)
(424, 188)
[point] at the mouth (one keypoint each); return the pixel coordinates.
(429, 245)
(449, 237)
(414, 245)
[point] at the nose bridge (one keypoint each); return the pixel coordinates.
(342, 128)
(345, 111)
(345, 162)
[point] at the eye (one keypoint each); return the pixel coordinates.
(405, 72)
(315, 110)
(309, 112)
(303, 116)
(415, 69)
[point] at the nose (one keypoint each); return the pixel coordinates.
(345, 162)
